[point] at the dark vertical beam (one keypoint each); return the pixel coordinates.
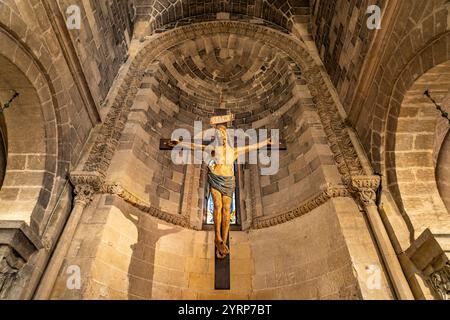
(222, 271)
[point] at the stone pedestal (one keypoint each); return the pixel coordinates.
(431, 263)
(17, 245)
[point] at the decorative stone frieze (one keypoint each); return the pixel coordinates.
(303, 208)
(258, 223)
(117, 190)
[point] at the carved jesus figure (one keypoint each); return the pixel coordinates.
(222, 182)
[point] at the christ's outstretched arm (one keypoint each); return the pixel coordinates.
(188, 145)
(252, 147)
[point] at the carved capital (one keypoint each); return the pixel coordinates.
(86, 184)
(440, 281)
(365, 188)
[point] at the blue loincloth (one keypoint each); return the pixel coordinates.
(225, 185)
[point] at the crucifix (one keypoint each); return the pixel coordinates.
(222, 184)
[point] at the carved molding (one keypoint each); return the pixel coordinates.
(302, 209)
(340, 143)
(110, 132)
(117, 190)
(260, 223)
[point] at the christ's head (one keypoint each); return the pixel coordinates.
(222, 131)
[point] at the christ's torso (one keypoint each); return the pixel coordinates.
(224, 159)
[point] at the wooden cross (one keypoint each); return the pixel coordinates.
(222, 266)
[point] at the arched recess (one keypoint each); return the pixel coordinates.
(121, 139)
(311, 85)
(411, 140)
(410, 51)
(37, 140)
(30, 159)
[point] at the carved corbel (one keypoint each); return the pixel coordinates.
(365, 189)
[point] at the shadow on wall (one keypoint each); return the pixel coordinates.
(141, 271)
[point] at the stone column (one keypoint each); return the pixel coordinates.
(86, 185)
(365, 188)
(17, 244)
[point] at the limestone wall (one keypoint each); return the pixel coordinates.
(138, 155)
(102, 42)
(342, 38)
(305, 168)
(125, 254)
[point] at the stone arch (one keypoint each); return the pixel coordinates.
(410, 51)
(410, 149)
(407, 56)
(312, 81)
(163, 15)
(26, 55)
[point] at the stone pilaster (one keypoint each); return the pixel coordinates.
(364, 189)
(86, 185)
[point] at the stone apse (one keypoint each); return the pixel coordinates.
(304, 232)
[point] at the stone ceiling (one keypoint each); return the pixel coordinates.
(164, 14)
(252, 78)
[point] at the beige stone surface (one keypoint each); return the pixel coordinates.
(135, 256)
